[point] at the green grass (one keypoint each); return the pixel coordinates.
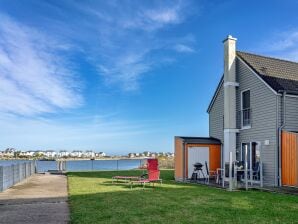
(93, 199)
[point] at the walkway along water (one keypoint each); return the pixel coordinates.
(42, 198)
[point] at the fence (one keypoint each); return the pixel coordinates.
(10, 175)
(289, 159)
(166, 163)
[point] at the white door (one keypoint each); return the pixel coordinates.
(197, 155)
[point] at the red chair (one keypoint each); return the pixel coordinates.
(153, 176)
(152, 164)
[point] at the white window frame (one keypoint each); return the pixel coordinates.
(241, 109)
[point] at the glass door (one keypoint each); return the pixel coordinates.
(255, 155)
(253, 159)
(246, 145)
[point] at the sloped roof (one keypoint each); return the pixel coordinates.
(200, 140)
(280, 75)
(277, 73)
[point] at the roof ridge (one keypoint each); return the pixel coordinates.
(270, 57)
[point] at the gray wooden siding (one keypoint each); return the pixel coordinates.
(264, 119)
(291, 114)
(216, 116)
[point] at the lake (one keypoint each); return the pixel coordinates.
(83, 165)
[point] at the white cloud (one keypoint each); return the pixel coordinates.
(126, 70)
(34, 77)
(165, 16)
(285, 41)
(282, 44)
(130, 42)
(183, 48)
(154, 19)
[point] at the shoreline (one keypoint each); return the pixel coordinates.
(75, 159)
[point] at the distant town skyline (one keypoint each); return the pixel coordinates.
(123, 76)
(11, 153)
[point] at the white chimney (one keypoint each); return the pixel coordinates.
(230, 85)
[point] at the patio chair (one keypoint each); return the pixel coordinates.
(210, 173)
(153, 176)
(152, 164)
(256, 171)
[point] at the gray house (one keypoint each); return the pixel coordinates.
(255, 103)
(255, 100)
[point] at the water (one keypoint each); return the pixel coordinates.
(83, 165)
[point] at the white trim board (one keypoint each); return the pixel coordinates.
(236, 84)
(215, 94)
(231, 130)
(290, 95)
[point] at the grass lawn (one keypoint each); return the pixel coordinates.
(93, 199)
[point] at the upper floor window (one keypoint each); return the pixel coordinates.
(245, 109)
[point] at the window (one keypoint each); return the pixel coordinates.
(245, 109)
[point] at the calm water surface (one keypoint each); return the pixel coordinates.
(83, 165)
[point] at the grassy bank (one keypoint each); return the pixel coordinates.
(93, 199)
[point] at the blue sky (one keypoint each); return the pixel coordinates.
(123, 76)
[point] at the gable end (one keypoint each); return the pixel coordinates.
(215, 94)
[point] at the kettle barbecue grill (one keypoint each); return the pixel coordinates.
(197, 171)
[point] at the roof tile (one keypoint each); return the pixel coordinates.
(279, 74)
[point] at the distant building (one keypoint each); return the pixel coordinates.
(89, 154)
(50, 153)
(100, 154)
(168, 154)
(147, 154)
(27, 153)
(153, 154)
(63, 153)
(9, 152)
(39, 153)
(131, 155)
(76, 153)
(162, 154)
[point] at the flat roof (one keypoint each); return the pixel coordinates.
(199, 140)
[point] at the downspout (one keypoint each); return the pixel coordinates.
(283, 124)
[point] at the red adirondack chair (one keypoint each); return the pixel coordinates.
(152, 164)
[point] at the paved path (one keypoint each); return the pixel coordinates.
(42, 198)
